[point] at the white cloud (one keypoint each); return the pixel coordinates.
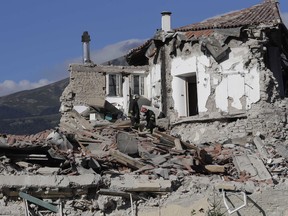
(10, 86)
(114, 51)
(105, 54)
(285, 18)
(59, 72)
(110, 52)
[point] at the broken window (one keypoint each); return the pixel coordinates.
(138, 84)
(114, 85)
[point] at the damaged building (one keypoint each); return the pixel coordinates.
(219, 73)
(219, 79)
(220, 87)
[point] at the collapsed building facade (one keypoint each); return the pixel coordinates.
(222, 78)
(222, 85)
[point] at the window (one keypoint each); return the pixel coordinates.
(115, 85)
(138, 84)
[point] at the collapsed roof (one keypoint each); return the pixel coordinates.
(266, 15)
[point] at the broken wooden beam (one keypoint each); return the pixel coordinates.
(126, 160)
(177, 143)
(215, 168)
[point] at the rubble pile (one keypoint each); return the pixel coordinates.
(117, 170)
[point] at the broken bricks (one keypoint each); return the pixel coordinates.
(130, 163)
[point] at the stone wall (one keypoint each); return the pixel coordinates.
(86, 87)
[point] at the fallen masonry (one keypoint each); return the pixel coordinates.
(196, 125)
(93, 172)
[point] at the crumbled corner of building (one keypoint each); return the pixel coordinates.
(211, 137)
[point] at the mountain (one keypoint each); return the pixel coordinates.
(31, 111)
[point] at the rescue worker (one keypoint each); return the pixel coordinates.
(135, 112)
(150, 120)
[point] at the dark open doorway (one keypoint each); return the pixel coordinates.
(192, 95)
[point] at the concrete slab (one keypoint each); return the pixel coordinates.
(53, 181)
(142, 183)
(196, 208)
(253, 165)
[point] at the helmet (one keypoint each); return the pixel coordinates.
(135, 96)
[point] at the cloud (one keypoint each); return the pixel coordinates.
(285, 18)
(60, 71)
(114, 51)
(110, 52)
(105, 54)
(10, 86)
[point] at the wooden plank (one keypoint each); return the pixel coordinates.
(190, 146)
(83, 147)
(166, 136)
(126, 160)
(177, 143)
(215, 168)
(171, 138)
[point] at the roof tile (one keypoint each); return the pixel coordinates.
(264, 13)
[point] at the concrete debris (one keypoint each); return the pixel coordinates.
(39, 202)
(127, 143)
(253, 166)
(261, 148)
(142, 183)
(106, 168)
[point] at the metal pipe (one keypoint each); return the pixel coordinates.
(86, 49)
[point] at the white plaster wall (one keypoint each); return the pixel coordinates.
(148, 87)
(203, 82)
(235, 81)
(236, 89)
(252, 87)
(179, 95)
(221, 95)
(180, 66)
(231, 86)
(238, 82)
(186, 67)
(203, 90)
(156, 86)
(235, 61)
(236, 86)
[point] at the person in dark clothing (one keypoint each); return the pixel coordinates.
(135, 112)
(150, 120)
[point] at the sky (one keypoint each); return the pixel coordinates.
(41, 38)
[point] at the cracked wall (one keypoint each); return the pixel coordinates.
(229, 86)
(86, 87)
(236, 95)
(89, 86)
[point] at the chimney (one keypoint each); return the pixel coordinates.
(166, 21)
(86, 49)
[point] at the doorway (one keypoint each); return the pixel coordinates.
(192, 99)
